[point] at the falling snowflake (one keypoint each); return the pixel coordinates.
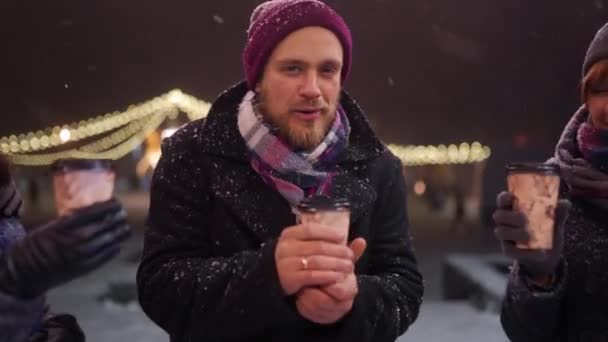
(218, 19)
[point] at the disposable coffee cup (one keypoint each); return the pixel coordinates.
(535, 187)
(333, 212)
(79, 183)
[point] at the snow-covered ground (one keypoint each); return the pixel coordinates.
(105, 321)
(454, 322)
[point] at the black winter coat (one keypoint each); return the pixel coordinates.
(576, 310)
(208, 271)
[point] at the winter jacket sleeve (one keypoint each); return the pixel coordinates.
(390, 292)
(19, 318)
(532, 314)
(187, 291)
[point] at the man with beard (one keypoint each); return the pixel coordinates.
(224, 259)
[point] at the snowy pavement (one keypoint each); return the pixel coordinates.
(104, 320)
(438, 321)
(455, 321)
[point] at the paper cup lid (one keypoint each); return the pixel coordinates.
(533, 168)
(316, 203)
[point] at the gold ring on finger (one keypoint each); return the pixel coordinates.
(304, 263)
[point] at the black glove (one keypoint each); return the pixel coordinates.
(511, 229)
(64, 249)
(10, 200)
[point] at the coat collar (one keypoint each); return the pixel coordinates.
(263, 210)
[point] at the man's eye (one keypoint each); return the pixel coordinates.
(292, 69)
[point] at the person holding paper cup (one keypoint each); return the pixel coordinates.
(558, 285)
(238, 246)
(68, 247)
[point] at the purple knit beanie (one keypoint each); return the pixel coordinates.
(598, 49)
(274, 20)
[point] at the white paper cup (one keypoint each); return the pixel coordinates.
(326, 211)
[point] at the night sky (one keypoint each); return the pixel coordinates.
(426, 71)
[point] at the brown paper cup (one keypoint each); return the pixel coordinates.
(325, 211)
(535, 187)
(81, 183)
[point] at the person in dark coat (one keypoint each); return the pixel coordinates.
(562, 294)
(49, 256)
(224, 259)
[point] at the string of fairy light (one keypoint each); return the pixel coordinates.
(119, 133)
(464, 153)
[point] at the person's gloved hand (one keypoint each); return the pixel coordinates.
(64, 249)
(511, 228)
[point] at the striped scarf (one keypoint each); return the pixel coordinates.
(293, 174)
(574, 157)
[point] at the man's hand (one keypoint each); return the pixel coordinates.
(317, 306)
(328, 304)
(347, 288)
(311, 255)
